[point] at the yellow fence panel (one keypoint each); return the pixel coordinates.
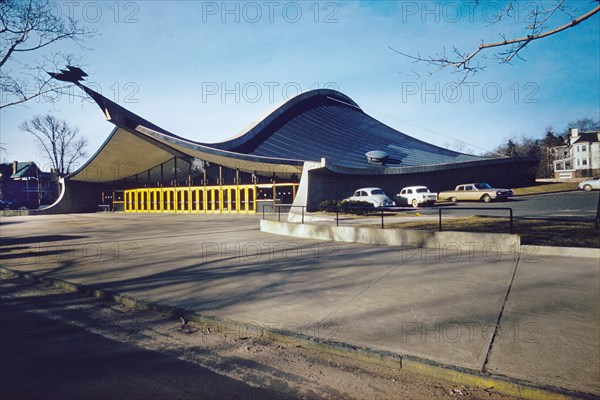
(205, 199)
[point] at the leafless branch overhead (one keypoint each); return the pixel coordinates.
(538, 29)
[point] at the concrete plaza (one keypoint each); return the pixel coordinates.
(530, 317)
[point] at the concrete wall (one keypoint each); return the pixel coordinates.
(302, 193)
(76, 197)
(405, 238)
(324, 184)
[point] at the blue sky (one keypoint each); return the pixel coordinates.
(206, 70)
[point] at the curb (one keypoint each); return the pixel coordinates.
(14, 213)
(583, 252)
(499, 383)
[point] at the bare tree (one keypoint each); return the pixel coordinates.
(459, 145)
(585, 124)
(33, 26)
(60, 142)
(541, 23)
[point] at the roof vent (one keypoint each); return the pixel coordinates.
(376, 156)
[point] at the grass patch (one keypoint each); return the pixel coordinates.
(546, 188)
(539, 232)
(372, 214)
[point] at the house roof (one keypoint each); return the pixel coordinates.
(589, 137)
(23, 169)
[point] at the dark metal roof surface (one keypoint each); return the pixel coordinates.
(322, 124)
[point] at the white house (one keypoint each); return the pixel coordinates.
(581, 156)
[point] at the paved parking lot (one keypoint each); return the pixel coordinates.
(464, 304)
(578, 205)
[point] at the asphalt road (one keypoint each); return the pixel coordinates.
(62, 345)
(44, 358)
(578, 205)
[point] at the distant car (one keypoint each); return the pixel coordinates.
(415, 195)
(373, 195)
(589, 184)
(475, 192)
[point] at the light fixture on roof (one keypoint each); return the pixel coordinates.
(376, 156)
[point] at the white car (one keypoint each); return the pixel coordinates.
(415, 196)
(373, 195)
(589, 184)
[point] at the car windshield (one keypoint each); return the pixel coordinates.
(483, 186)
(377, 191)
(423, 190)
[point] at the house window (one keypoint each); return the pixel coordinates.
(583, 162)
(583, 148)
(578, 162)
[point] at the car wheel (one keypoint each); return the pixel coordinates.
(587, 188)
(415, 203)
(486, 198)
(453, 199)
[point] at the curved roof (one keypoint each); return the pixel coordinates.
(325, 123)
(313, 125)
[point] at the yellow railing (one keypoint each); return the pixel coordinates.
(201, 199)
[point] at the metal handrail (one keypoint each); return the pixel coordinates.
(278, 207)
(381, 211)
(367, 209)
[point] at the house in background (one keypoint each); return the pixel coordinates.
(580, 158)
(23, 184)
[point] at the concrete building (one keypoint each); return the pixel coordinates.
(580, 158)
(318, 145)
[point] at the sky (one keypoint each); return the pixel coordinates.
(205, 70)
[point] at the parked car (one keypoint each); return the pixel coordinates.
(475, 192)
(589, 184)
(415, 195)
(8, 205)
(373, 195)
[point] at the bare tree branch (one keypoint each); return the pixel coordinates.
(525, 40)
(29, 26)
(461, 62)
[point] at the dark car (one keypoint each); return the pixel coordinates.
(8, 205)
